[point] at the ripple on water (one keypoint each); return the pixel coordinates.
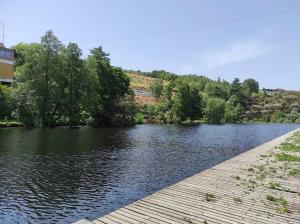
(61, 175)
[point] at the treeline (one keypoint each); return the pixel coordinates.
(54, 86)
(192, 97)
(158, 74)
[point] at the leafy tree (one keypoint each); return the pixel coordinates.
(187, 102)
(233, 113)
(156, 87)
(26, 109)
(6, 101)
(237, 91)
(215, 90)
(112, 85)
(214, 110)
(21, 52)
(40, 75)
(48, 82)
(162, 74)
(250, 86)
(74, 77)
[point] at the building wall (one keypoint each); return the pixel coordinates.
(6, 65)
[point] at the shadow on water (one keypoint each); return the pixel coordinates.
(61, 175)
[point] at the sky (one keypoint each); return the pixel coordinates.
(227, 39)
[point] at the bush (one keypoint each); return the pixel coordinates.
(156, 88)
(233, 113)
(6, 101)
(214, 110)
(277, 116)
(138, 118)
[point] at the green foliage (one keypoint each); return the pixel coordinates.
(73, 87)
(210, 197)
(56, 86)
(138, 118)
(281, 201)
(187, 102)
(162, 74)
(26, 111)
(156, 87)
(289, 146)
(250, 86)
(236, 91)
(110, 85)
(7, 103)
(8, 124)
(233, 114)
(287, 157)
(215, 90)
(237, 200)
(40, 75)
(214, 110)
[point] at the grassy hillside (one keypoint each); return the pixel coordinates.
(140, 81)
(283, 107)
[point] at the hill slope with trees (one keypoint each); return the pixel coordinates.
(193, 97)
(54, 85)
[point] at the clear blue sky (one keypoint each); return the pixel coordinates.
(232, 38)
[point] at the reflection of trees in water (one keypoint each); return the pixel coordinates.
(48, 175)
(63, 169)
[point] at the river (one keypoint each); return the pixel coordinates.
(61, 175)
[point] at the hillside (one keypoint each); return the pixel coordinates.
(264, 106)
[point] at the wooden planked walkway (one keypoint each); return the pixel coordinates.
(225, 193)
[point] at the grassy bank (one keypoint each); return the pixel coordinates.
(8, 124)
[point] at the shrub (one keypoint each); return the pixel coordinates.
(214, 110)
(138, 118)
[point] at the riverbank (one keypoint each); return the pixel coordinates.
(258, 186)
(8, 124)
(13, 124)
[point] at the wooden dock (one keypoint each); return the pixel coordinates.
(235, 191)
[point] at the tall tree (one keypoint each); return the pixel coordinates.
(112, 85)
(236, 91)
(156, 87)
(215, 89)
(51, 71)
(187, 102)
(40, 73)
(74, 77)
(214, 110)
(250, 86)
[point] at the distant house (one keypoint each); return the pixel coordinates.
(272, 92)
(7, 59)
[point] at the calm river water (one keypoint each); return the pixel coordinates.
(62, 175)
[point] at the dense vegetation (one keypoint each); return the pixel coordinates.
(198, 98)
(55, 85)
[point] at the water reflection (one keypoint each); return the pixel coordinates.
(61, 175)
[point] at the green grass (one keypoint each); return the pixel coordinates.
(294, 172)
(210, 197)
(287, 157)
(237, 200)
(288, 146)
(281, 201)
(7, 124)
(274, 185)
